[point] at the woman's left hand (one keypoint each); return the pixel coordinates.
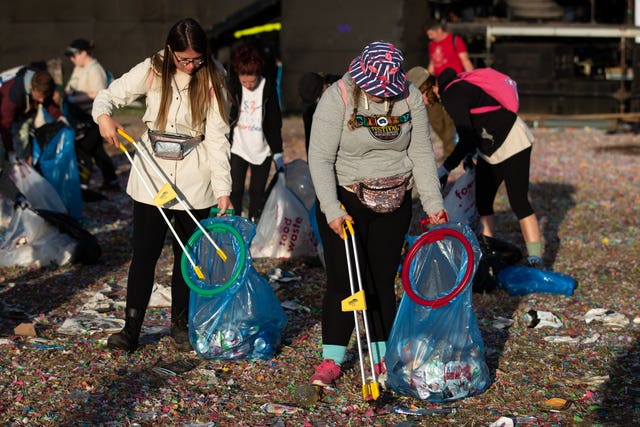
(224, 204)
(439, 218)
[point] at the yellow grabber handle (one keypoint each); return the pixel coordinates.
(219, 250)
(197, 269)
(346, 225)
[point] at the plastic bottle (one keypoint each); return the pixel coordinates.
(231, 337)
(202, 340)
(262, 347)
(520, 280)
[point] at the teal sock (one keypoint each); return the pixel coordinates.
(534, 249)
(378, 350)
(334, 352)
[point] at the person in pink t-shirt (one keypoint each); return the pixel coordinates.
(446, 50)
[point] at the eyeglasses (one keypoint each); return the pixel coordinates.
(185, 62)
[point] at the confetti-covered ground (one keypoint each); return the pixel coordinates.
(586, 191)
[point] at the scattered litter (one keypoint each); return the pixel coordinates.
(283, 276)
(292, 305)
(566, 339)
(278, 409)
(97, 301)
(175, 368)
(557, 404)
(607, 317)
(562, 339)
(160, 296)
(87, 384)
(512, 421)
(425, 411)
(502, 422)
(88, 323)
(4, 287)
(25, 330)
(44, 344)
(209, 424)
(540, 319)
(595, 380)
(590, 340)
(502, 322)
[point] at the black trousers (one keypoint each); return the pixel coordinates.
(257, 184)
(149, 233)
(514, 171)
(380, 238)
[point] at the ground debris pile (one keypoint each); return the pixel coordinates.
(582, 371)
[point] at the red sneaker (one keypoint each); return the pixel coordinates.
(380, 367)
(326, 373)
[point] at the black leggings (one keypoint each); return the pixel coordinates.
(257, 184)
(514, 171)
(380, 238)
(149, 233)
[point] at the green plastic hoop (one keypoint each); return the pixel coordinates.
(240, 260)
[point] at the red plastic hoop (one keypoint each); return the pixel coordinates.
(434, 236)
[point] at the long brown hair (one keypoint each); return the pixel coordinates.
(185, 34)
(353, 123)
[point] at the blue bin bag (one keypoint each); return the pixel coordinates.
(435, 353)
(245, 320)
(59, 166)
(520, 280)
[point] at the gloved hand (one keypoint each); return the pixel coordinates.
(279, 161)
(443, 176)
(468, 163)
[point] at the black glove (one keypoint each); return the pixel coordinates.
(468, 163)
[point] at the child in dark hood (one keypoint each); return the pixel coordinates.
(503, 143)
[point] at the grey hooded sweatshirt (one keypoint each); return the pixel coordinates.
(339, 156)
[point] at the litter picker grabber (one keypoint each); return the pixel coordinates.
(356, 302)
(167, 193)
(159, 206)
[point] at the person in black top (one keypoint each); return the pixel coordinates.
(503, 143)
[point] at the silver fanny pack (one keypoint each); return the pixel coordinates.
(172, 146)
(382, 195)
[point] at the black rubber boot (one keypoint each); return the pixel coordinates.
(127, 338)
(180, 330)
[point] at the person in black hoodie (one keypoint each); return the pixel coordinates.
(503, 143)
(256, 124)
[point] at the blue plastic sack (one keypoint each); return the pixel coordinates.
(57, 163)
(435, 351)
(520, 280)
(233, 312)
